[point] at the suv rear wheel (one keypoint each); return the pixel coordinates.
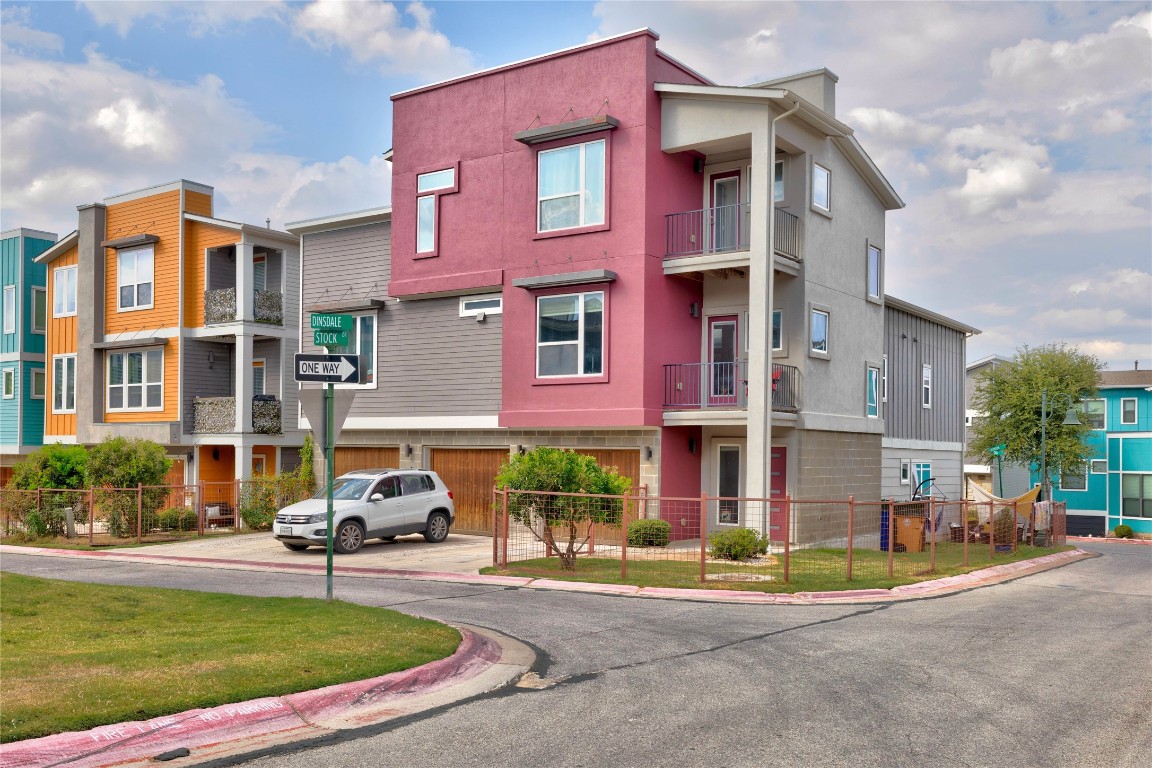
(437, 529)
(349, 537)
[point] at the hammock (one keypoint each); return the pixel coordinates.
(1021, 504)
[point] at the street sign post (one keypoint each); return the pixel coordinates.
(328, 369)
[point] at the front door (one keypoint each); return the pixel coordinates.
(729, 483)
(726, 211)
(724, 385)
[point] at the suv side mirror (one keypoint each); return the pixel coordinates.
(376, 497)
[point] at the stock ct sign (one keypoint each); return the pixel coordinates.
(328, 369)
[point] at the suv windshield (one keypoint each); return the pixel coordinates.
(345, 488)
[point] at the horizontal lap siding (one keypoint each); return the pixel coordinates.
(197, 203)
(155, 215)
(33, 416)
(63, 339)
(197, 239)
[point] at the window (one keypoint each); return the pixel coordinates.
(257, 377)
(260, 273)
(922, 476)
(136, 380)
(362, 342)
(39, 384)
(777, 182)
(819, 339)
(1128, 410)
(777, 331)
(492, 304)
(134, 278)
(39, 310)
(1074, 481)
(821, 187)
(9, 385)
(570, 187)
(570, 335)
(926, 384)
(64, 384)
(884, 379)
(1094, 414)
(427, 204)
(905, 471)
(873, 272)
(9, 309)
(873, 392)
(64, 291)
(1135, 495)
(1099, 466)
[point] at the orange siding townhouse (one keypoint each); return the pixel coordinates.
(168, 324)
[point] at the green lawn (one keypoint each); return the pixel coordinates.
(810, 570)
(75, 656)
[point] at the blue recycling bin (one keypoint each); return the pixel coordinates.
(884, 526)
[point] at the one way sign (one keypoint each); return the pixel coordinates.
(330, 369)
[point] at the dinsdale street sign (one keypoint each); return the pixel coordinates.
(329, 369)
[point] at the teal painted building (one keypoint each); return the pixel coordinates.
(1116, 486)
(24, 309)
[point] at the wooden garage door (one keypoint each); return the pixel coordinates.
(350, 458)
(627, 462)
(470, 474)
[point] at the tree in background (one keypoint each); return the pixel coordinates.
(60, 468)
(117, 465)
(1009, 398)
(554, 470)
(53, 466)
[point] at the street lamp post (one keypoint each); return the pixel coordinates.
(1069, 420)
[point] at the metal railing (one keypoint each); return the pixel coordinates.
(690, 386)
(725, 229)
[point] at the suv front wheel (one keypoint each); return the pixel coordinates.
(437, 529)
(349, 537)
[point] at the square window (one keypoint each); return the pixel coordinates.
(873, 409)
(9, 385)
(570, 187)
(1094, 414)
(136, 380)
(64, 291)
(471, 306)
(39, 384)
(39, 310)
(821, 187)
(570, 335)
(9, 309)
(1128, 410)
(134, 272)
(64, 384)
(819, 337)
(1136, 495)
(926, 385)
(873, 272)
(1073, 481)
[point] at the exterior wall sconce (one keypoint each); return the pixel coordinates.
(407, 450)
(521, 450)
(691, 445)
(211, 359)
(215, 454)
(647, 453)
(694, 310)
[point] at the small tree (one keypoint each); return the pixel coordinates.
(54, 466)
(1009, 400)
(121, 463)
(554, 470)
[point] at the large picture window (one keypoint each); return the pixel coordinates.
(134, 273)
(64, 291)
(64, 384)
(570, 334)
(362, 342)
(136, 380)
(1136, 495)
(570, 187)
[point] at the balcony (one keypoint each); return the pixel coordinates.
(220, 306)
(726, 229)
(217, 415)
(701, 386)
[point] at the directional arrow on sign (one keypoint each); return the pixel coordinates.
(329, 369)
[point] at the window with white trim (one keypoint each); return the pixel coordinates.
(1099, 466)
(777, 331)
(134, 276)
(64, 291)
(64, 384)
(905, 471)
(874, 287)
(926, 385)
(1128, 410)
(821, 187)
(362, 342)
(922, 476)
(257, 377)
(819, 331)
(570, 334)
(427, 204)
(39, 384)
(136, 380)
(873, 409)
(777, 181)
(39, 310)
(884, 379)
(9, 386)
(1074, 481)
(1135, 495)
(490, 304)
(570, 186)
(1094, 414)
(9, 309)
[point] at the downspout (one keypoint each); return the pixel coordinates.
(769, 294)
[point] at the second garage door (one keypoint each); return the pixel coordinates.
(352, 457)
(470, 473)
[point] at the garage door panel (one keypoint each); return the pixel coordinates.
(470, 473)
(349, 458)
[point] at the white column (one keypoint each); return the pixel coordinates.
(245, 311)
(243, 391)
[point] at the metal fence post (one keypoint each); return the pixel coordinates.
(703, 537)
(200, 513)
(504, 505)
(991, 531)
(965, 522)
(891, 533)
(787, 535)
(624, 541)
(139, 512)
(851, 521)
(236, 508)
(932, 533)
(495, 529)
(91, 514)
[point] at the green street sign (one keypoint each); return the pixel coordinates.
(998, 450)
(330, 338)
(329, 322)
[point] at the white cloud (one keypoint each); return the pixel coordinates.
(199, 18)
(16, 35)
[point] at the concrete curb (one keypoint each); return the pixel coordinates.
(1110, 540)
(485, 661)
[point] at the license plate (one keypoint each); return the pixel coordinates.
(285, 530)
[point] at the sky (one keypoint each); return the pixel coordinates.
(1018, 134)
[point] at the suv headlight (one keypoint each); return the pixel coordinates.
(319, 517)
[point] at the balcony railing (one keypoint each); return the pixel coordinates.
(217, 415)
(726, 229)
(220, 306)
(692, 386)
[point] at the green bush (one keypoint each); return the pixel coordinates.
(649, 533)
(177, 519)
(1124, 532)
(258, 503)
(738, 544)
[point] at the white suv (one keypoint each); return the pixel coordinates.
(368, 504)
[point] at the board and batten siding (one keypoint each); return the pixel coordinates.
(911, 341)
(430, 361)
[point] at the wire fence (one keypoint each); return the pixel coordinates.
(800, 542)
(109, 516)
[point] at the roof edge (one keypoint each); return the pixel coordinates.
(928, 314)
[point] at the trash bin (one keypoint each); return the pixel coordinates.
(884, 525)
(909, 532)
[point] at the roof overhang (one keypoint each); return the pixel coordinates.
(66, 243)
(340, 221)
(247, 230)
(928, 314)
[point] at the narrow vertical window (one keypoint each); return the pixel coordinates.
(777, 330)
(39, 310)
(819, 338)
(9, 387)
(821, 187)
(64, 384)
(64, 291)
(905, 471)
(777, 182)
(39, 384)
(926, 383)
(257, 377)
(9, 309)
(873, 392)
(884, 379)
(873, 272)
(260, 273)
(1128, 410)
(429, 188)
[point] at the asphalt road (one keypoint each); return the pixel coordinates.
(1049, 670)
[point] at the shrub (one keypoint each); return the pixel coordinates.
(258, 503)
(116, 466)
(53, 466)
(649, 533)
(177, 519)
(739, 544)
(1124, 532)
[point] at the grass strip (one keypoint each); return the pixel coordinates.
(75, 656)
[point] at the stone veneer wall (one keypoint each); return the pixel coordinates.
(836, 465)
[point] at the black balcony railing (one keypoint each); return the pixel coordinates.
(693, 386)
(726, 229)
